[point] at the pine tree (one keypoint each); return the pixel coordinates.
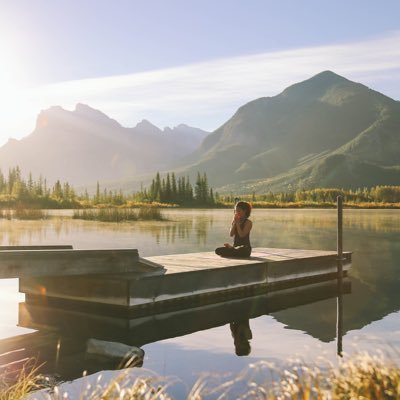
(174, 194)
(168, 189)
(205, 189)
(197, 188)
(157, 196)
(188, 191)
(57, 190)
(211, 199)
(30, 185)
(39, 187)
(162, 190)
(181, 192)
(2, 182)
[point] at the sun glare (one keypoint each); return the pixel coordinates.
(12, 77)
(13, 85)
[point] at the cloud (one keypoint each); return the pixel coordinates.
(206, 94)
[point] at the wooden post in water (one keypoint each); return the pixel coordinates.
(340, 236)
(339, 321)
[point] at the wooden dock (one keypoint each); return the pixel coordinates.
(184, 279)
(63, 260)
(162, 297)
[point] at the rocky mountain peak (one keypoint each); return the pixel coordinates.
(147, 127)
(316, 86)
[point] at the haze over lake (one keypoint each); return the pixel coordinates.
(371, 310)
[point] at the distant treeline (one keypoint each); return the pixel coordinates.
(376, 194)
(178, 191)
(16, 191)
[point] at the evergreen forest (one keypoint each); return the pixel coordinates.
(19, 192)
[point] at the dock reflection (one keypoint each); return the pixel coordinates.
(61, 340)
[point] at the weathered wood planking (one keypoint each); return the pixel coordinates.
(190, 275)
(38, 247)
(62, 262)
(178, 263)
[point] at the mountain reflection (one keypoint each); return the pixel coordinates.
(72, 326)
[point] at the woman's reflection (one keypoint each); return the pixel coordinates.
(241, 334)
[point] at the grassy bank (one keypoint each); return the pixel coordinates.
(23, 213)
(120, 214)
(362, 376)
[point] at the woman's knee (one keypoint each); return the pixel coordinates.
(219, 251)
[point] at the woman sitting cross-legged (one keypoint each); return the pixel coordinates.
(240, 230)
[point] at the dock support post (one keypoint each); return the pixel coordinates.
(339, 322)
(340, 236)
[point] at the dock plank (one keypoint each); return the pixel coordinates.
(38, 247)
(179, 263)
(66, 261)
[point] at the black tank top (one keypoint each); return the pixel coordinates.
(241, 241)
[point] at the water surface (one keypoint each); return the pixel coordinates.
(371, 316)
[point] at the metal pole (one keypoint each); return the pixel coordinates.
(339, 321)
(340, 234)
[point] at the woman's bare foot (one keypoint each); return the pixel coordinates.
(228, 245)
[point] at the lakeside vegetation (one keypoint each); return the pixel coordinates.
(23, 213)
(23, 195)
(120, 214)
(360, 376)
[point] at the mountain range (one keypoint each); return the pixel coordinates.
(85, 146)
(326, 131)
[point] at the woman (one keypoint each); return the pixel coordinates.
(240, 230)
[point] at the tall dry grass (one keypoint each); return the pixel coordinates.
(15, 385)
(23, 213)
(361, 376)
(120, 214)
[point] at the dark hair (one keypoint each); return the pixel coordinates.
(246, 207)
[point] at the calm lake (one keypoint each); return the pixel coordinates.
(371, 317)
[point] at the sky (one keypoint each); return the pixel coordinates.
(184, 61)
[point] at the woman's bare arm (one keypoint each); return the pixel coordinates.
(233, 229)
(242, 232)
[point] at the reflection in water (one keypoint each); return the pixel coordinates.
(242, 335)
(170, 232)
(194, 229)
(16, 232)
(72, 326)
(373, 236)
(339, 319)
(366, 220)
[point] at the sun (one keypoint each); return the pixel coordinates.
(13, 88)
(12, 74)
